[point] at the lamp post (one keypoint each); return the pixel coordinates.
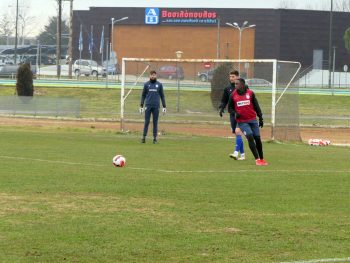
(112, 53)
(334, 48)
(178, 56)
(218, 40)
(16, 34)
(16, 29)
(70, 42)
(241, 29)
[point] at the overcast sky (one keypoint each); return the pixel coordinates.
(40, 10)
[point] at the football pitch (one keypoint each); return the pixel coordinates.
(182, 200)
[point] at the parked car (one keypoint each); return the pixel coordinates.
(44, 60)
(258, 83)
(11, 70)
(206, 75)
(170, 72)
(112, 69)
(87, 67)
(6, 60)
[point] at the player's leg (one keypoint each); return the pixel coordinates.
(239, 138)
(147, 120)
(247, 131)
(155, 112)
(239, 148)
(257, 138)
(233, 123)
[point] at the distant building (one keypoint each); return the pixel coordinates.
(298, 35)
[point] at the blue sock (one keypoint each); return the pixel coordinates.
(239, 144)
(242, 146)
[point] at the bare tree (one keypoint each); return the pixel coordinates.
(338, 5)
(26, 25)
(6, 29)
(287, 4)
(342, 5)
(325, 5)
(26, 22)
(320, 5)
(6, 25)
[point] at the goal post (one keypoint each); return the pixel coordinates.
(184, 79)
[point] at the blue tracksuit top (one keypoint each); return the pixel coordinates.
(152, 93)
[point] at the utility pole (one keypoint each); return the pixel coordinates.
(330, 46)
(58, 39)
(334, 48)
(70, 44)
(218, 41)
(16, 36)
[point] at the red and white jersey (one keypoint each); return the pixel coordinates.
(244, 106)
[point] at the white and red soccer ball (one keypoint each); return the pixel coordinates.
(119, 161)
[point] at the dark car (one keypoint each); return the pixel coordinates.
(258, 83)
(9, 51)
(43, 60)
(206, 75)
(171, 72)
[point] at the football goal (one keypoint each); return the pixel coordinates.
(193, 90)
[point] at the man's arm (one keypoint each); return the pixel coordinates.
(161, 94)
(224, 100)
(143, 96)
(231, 105)
(256, 106)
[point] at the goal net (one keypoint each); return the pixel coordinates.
(194, 87)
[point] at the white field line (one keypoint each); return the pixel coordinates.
(261, 169)
(48, 161)
(324, 260)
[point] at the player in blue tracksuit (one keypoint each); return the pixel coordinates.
(151, 95)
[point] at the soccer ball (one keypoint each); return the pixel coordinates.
(118, 161)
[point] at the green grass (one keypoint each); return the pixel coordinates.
(182, 200)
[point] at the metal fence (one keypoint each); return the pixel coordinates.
(40, 106)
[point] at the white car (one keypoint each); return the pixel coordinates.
(87, 68)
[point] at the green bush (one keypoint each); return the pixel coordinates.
(24, 85)
(219, 81)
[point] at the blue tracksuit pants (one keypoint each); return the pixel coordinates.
(155, 113)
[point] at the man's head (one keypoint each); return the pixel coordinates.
(233, 76)
(153, 75)
(240, 86)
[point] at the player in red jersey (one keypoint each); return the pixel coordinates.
(246, 108)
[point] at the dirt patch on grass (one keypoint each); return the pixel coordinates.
(228, 230)
(68, 203)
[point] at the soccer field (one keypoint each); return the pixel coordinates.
(182, 200)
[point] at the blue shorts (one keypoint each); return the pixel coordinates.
(249, 128)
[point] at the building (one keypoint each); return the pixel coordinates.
(298, 35)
